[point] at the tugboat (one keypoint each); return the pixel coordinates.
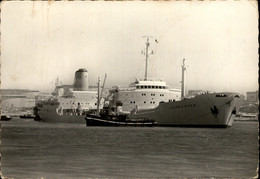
(5, 117)
(27, 115)
(107, 117)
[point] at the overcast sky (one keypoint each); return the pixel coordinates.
(41, 40)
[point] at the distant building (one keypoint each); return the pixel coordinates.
(252, 97)
(17, 99)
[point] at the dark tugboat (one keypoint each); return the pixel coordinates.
(109, 117)
(5, 118)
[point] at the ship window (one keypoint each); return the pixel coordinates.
(144, 101)
(156, 87)
(152, 86)
(149, 86)
(134, 101)
(160, 87)
(137, 87)
(145, 86)
(95, 103)
(154, 102)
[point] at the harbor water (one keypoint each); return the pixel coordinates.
(31, 149)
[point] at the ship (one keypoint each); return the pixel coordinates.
(143, 94)
(69, 104)
(202, 110)
(5, 117)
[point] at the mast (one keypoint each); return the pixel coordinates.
(183, 66)
(98, 98)
(146, 58)
(103, 86)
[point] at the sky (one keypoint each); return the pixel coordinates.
(41, 41)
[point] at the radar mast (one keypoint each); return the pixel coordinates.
(147, 55)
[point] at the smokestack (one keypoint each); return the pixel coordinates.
(81, 80)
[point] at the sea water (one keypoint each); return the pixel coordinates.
(32, 149)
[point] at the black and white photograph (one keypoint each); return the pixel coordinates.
(129, 89)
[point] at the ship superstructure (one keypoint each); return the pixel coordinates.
(143, 94)
(69, 104)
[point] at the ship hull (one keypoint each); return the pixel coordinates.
(53, 117)
(208, 110)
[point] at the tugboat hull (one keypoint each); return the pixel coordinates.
(93, 120)
(6, 118)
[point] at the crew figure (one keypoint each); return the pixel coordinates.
(79, 109)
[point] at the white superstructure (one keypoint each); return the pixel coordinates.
(69, 104)
(143, 94)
